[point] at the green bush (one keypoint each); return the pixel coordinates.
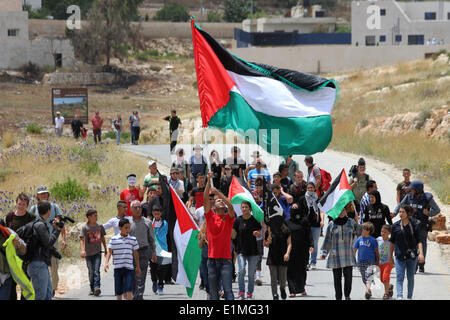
(69, 190)
(34, 128)
(174, 12)
(109, 134)
(91, 168)
(214, 16)
(236, 10)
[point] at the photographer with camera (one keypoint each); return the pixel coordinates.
(43, 194)
(43, 249)
(359, 179)
(406, 240)
(424, 207)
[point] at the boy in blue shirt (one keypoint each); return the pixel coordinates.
(368, 255)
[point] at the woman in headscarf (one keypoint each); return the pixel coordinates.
(302, 245)
(377, 213)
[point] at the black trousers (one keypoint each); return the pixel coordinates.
(137, 132)
(337, 275)
(159, 272)
(296, 277)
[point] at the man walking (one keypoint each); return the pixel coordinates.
(141, 228)
(174, 124)
(59, 124)
(97, 123)
(76, 126)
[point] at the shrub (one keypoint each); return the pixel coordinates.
(4, 172)
(34, 128)
(236, 10)
(109, 134)
(91, 168)
(173, 12)
(214, 16)
(69, 190)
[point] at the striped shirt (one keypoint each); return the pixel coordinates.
(365, 202)
(122, 248)
(338, 243)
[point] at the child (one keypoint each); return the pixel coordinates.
(92, 236)
(367, 248)
(158, 270)
(123, 247)
(384, 265)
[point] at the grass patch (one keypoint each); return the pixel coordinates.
(69, 190)
(34, 128)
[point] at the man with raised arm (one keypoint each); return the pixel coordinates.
(219, 223)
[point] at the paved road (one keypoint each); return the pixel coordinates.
(434, 284)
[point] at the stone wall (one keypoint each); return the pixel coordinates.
(64, 78)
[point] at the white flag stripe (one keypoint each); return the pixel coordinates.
(181, 241)
(332, 199)
(278, 99)
(190, 216)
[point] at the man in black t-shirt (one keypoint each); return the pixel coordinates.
(237, 164)
(174, 124)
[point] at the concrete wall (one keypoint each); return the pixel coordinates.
(396, 16)
(10, 5)
(14, 55)
(149, 29)
(64, 79)
(35, 4)
(13, 20)
(416, 10)
(301, 25)
(334, 58)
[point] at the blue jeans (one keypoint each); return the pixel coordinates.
(118, 132)
(93, 265)
(222, 268)
(204, 272)
(252, 261)
(41, 280)
(315, 232)
(408, 265)
(5, 289)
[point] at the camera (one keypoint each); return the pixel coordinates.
(353, 172)
(63, 220)
(55, 253)
(411, 254)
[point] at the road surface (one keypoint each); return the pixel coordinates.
(433, 285)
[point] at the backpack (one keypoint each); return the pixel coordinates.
(26, 233)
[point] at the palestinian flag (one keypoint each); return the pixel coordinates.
(238, 194)
(189, 255)
(337, 196)
(239, 95)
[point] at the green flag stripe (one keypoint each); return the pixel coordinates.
(346, 197)
(191, 261)
(256, 210)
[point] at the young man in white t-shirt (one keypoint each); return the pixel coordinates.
(59, 124)
(122, 209)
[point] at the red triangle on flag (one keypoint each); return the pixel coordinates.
(183, 216)
(235, 188)
(343, 183)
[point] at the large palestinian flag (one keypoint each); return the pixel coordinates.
(239, 95)
(238, 194)
(189, 254)
(337, 196)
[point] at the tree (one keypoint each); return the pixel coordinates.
(108, 30)
(236, 10)
(174, 12)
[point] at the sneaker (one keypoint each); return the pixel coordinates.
(160, 290)
(91, 293)
(275, 297)
(258, 282)
(348, 298)
(283, 294)
(368, 295)
(391, 290)
(249, 296)
(422, 269)
(241, 295)
(155, 287)
(399, 298)
(313, 266)
(97, 292)
(201, 286)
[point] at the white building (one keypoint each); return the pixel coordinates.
(299, 25)
(16, 49)
(387, 22)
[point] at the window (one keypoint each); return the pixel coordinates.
(382, 12)
(398, 38)
(430, 15)
(382, 38)
(279, 31)
(370, 40)
(13, 32)
(448, 15)
(415, 39)
(58, 59)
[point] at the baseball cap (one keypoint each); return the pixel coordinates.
(174, 170)
(42, 189)
(198, 147)
(57, 112)
(151, 162)
(227, 166)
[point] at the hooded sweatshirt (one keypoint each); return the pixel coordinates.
(377, 213)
